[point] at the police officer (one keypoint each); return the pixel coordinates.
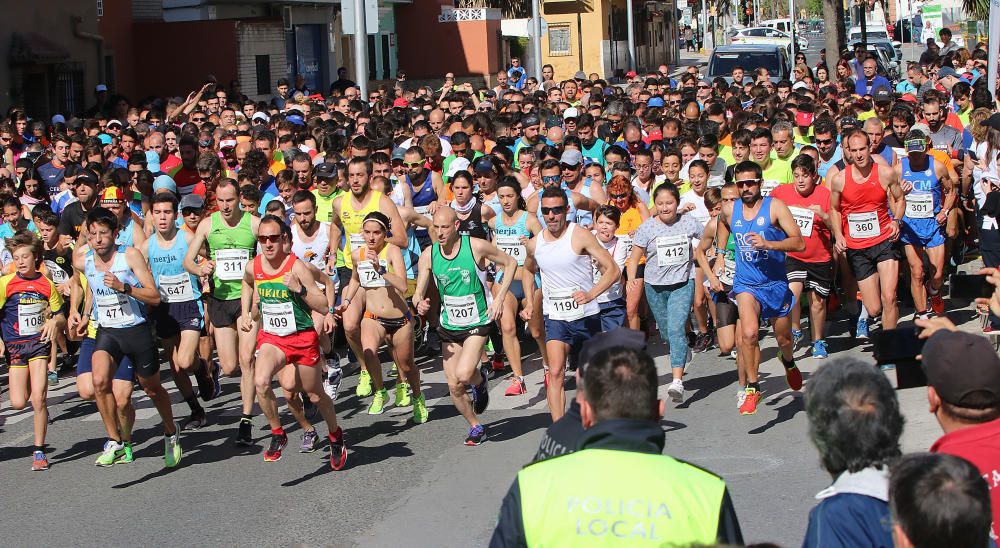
(618, 489)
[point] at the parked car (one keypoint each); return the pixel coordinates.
(773, 57)
(767, 35)
(875, 34)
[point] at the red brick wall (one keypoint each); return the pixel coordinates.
(116, 27)
(428, 49)
(173, 59)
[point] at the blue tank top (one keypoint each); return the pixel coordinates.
(583, 217)
(838, 155)
(755, 267)
(924, 182)
(422, 198)
(167, 265)
(111, 308)
(126, 235)
(519, 228)
(571, 215)
(494, 204)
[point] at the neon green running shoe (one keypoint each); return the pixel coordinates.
(393, 371)
(171, 450)
(112, 451)
(402, 395)
(419, 410)
(364, 385)
(127, 456)
(489, 347)
(378, 402)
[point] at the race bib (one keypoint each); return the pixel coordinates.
(424, 210)
(176, 288)
(863, 225)
(357, 240)
(673, 250)
(512, 246)
(728, 271)
(562, 305)
(113, 310)
(56, 273)
(768, 186)
(231, 263)
(626, 241)
(920, 205)
(462, 311)
(278, 318)
(369, 276)
(804, 218)
(30, 319)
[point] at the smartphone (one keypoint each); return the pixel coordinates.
(970, 286)
(896, 345)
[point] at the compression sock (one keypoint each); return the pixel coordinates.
(754, 385)
(279, 431)
(196, 407)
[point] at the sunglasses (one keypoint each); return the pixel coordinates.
(205, 144)
(413, 164)
(824, 141)
(618, 196)
(191, 211)
(198, 119)
(269, 238)
(550, 178)
(558, 210)
(747, 182)
(568, 167)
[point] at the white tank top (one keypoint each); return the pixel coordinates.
(563, 272)
(312, 252)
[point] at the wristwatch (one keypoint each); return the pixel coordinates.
(127, 289)
(332, 310)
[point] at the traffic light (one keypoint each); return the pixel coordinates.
(745, 13)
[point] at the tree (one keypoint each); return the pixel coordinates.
(977, 9)
(833, 13)
(814, 8)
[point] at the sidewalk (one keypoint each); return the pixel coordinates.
(687, 59)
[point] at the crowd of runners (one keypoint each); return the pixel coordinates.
(307, 238)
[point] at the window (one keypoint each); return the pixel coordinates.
(100, 8)
(559, 40)
(263, 75)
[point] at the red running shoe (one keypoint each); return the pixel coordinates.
(278, 442)
(937, 304)
(792, 374)
(516, 387)
(338, 450)
(749, 406)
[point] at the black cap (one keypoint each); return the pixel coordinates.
(622, 337)
(993, 121)
(963, 368)
(86, 176)
(882, 95)
(75, 124)
(325, 170)
(529, 120)
(553, 121)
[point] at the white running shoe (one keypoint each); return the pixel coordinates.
(676, 390)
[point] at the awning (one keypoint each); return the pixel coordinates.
(30, 48)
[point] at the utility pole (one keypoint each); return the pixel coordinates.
(536, 38)
(863, 15)
(630, 21)
(360, 48)
(791, 26)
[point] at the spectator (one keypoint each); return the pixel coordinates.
(930, 54)
(947, 45)
(938, 500)
(516, 74)
(963, 391)
(619, 458)
(855, 423)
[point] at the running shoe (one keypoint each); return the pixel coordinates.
(702, 342)
(377, 406)
(861, 331)
(476, 435)
(887, 367)
(171, 450)
(402, 395)
(796, 337)
(112, 451)
(364, 385)
(497, 362)
(216, 380)
(741, 396)
(310, 439)
(792, 374)
(39, 462)
(750, 401)
(244, 436)
(516, 387)
(676, 390)
(128, 456)
(206, 384)
(278, 442)
(819, 350)
(394, 370)
(937, 304)
(195, 421)
(53, 378)
(338, 449)
(331, 384)
(925, 315)
(481, 396)
(420, 412)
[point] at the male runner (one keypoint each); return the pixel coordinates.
(122, 287)
(285, 292)
(564, 256)
(458, 265)
(860, 198)
(930, 195)
(760, 284)
(179, 317)
(227, 238)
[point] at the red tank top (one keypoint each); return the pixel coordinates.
(864, 210)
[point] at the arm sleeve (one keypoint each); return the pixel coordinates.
(729, 526)
(510, 528)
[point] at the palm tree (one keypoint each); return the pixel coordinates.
(977, 9)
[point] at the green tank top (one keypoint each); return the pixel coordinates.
(282, 312)
(462, 286)
(231, 249)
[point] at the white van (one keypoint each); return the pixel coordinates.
(784, 25)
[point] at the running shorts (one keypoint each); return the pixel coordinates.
(864, 262)
(136, 342)
(459, 336)
(223, 313)
(299, 348)
(726, 313)
(172, 318)
(19, 353)
(85, 364)
(921, 232)
(816, 277)
(774, 298)
(612, 314)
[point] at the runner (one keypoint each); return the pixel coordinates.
(930, 196)
(380, 273)
(759, 283)
(811, 269)
(612, 302)
(31, 313)
(860, 199)
(122, 287)
(693, 204)
(632, 212)
(563, 255)
(458, 265)
(284, 291)
(179, 317)
(665, 241)
(57, 259)
(227, 239)
(513, 228)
